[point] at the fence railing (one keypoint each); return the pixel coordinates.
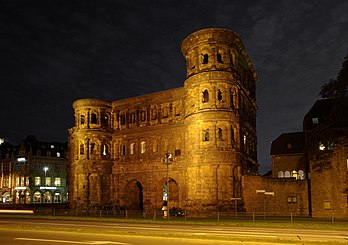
(214, 216)
(158, 214)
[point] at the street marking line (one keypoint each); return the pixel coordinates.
(235, 234)
(66, 241)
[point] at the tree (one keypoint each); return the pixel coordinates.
(337, 88)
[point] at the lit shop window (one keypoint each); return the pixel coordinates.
(48, 181)
(58, 181)
(37, 181)
(57, 198)
(37, 197)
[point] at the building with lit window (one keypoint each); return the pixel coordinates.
(6, 159)
(34, 172)
(208, 128)
(309, 168)
(194, 147)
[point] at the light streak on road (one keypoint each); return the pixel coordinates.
(16, 211)
(69, 242)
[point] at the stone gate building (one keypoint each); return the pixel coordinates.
(208, 126)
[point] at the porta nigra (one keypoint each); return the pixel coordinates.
(117, 149)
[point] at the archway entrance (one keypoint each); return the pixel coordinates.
(6, 197)
(173, 193)
(134, 193)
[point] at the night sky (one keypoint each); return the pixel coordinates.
(55, 52)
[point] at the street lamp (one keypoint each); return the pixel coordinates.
(45, 169)
(266, 193)
(167, 159)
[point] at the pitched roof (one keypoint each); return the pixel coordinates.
(329, 112)
(288, 143)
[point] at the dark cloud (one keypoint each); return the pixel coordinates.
(54, 52)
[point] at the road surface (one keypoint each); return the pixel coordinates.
(40, 231)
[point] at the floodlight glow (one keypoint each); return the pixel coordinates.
(21, 159)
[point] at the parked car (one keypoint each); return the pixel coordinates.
(177, 212)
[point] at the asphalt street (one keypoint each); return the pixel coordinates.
(41, 231)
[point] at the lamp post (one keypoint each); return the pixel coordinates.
(266, 193)
(167, 159)
(45, 170)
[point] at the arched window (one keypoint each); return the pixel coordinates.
(105, 150)
(132, 117)
(280, 174)
(154, 146)
(219, 58)
(123, 150)
(37, 197)
(57, 198)
(132, 149)
(232, 135)
(220, 134)
(93, 118)
(122, 119)
(294, 174)
(205, 59)
(47, 197)
(105, 120)
(206, 135)
(301, 175)
(287, 174)
(82, 149)
(232, 58)
(219, 95)
(205, 96)
(143, 147)
(92, 148)
(82, 119)
(232, 98)
(153, 114)
(142, 116)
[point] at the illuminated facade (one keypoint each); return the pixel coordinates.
(33, 172)
(209, 126)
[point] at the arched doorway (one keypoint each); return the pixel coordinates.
(57, 197)
(37, 197)
(47, 197)
(134, 195)
(6, 197)
(173, 193)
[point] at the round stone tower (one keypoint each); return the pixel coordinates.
(220, 118)
(90, 154)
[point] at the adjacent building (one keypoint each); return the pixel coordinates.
(326, 133)
(309, 168)
(33, 172)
